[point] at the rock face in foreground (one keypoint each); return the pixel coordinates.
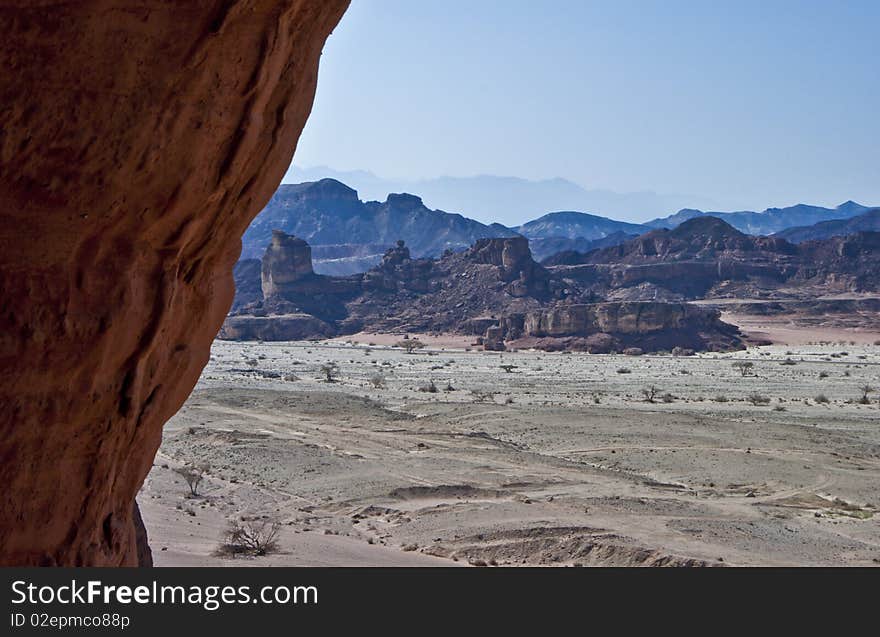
(126, 181)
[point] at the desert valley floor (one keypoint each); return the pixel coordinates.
(451, 457)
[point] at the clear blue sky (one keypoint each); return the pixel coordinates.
(750, 103)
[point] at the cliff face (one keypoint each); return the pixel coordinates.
(329, 215)
(494, 290)
(612, 326)
(704, 257)
(287, 260)
(125, 184)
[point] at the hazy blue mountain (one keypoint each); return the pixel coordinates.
(771, 221)
(574, 225)
(328, 214)
(867, 222)
(507, 200)
(545, 247)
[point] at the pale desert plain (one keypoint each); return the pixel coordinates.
(450, 456)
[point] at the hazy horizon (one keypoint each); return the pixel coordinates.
(735, 106)
(526, 201)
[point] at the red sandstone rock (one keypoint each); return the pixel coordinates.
(139, 139)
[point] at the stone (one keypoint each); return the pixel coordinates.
(493, 340)
(139, 140)
(287, 260)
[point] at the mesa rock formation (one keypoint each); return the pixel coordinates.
(494, 291)
(126, 182)
(707, 258)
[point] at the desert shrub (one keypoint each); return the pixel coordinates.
(330, 372)
(758, 399)
(409, 344)
(788, 361)
(624, 370)
(668, 398)
(483, 396)
(193, 476)
(823, 374)
(682, 351)
(256, 536)
(720, 398)
(430, 387)
(822, 399)
(745, 367)
(778, 408)
(508, 368)
(377, 381)
(449, 386)
(865, 389)
(650, 393)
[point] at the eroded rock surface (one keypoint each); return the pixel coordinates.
(139, 139)
(494, 290)
(287, 260)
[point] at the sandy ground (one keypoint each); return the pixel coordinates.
(556, 460)
(785, 331)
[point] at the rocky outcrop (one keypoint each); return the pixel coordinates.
(842, 264)
(706, 257)
(603, 327)
(493, 290)
(285, 327)
(513, 257)
(287, 261)
(139, 140)
(617, 318)
(248, 284)
(493, 340)
(329, 213)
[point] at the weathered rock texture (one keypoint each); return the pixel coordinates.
(493, 290)
(287, 261)
(139, 139)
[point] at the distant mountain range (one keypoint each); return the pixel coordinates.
(349, 235)
(328, 213)
(507, 200)
(576, 225)
(771, 221)
(867, 222)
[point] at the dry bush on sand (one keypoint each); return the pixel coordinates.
(409, 344)
(255, 536)
(745, 367)
(193, 476)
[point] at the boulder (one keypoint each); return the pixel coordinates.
(493, 340)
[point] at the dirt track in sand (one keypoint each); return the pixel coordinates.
(559, 461)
